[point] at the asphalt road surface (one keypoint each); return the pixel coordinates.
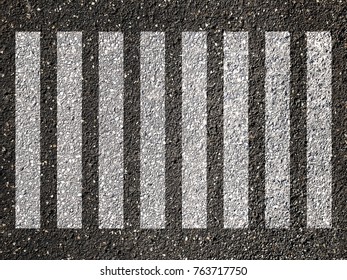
(173, 130)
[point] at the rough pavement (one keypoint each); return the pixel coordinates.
(173, 18)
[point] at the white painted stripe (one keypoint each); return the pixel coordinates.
(319, 142)
(152, 130)
(235, 129)
(69, 129)
(194, 120)
(27, 119)
(111, 168)
(277, 130)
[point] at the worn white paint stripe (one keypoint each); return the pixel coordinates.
(27, 119)
(319, 142)
(277, 129)
(111, 170)
(152, 130)
(69, 129)
(235, 129)
(194, 120)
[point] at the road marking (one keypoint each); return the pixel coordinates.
(277, 129)
(111, 170)
(194, 120)
(235, 129)
(27, 119)
(152, 129)
(319, 142)
(69, 129)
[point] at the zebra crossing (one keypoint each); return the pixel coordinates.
(152, 143)
(69, 129)
(277, 129)
(194, 133)
(319, 130)
(27, 130)
(236, 130)
(194, 120)
(110, 130)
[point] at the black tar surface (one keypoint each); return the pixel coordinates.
(173, 17)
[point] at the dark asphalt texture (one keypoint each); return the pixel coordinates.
(173, 17)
